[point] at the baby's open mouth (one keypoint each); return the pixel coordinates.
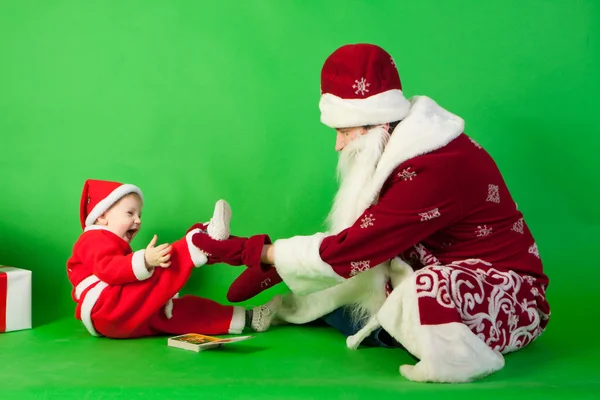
(130, 233)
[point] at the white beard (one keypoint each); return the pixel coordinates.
(356, 166)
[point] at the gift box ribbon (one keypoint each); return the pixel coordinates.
(3, 295)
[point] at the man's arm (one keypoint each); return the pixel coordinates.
(418, 202)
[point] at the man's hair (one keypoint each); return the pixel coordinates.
(392, 126)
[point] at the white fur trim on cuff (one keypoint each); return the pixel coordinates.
(138, 264)
(238, 320)
(197, 256)
(381, 108)
(111, 199)
(299, 264)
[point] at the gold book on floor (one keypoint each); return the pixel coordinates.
(198, 342)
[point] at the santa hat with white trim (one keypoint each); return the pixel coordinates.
(98, 196)
(360, 86)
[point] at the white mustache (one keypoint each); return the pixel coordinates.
(366, 147)
(356, 166)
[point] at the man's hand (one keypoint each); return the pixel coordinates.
(157, 256)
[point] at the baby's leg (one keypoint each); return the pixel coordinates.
(193, 314)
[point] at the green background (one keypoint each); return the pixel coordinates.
(194, 101)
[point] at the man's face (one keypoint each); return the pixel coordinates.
(360, 148)
(359, 151)
(346, 135)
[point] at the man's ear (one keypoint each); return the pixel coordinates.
(364, 130)
(102, 220)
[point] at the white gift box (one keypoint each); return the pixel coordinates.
(15, 299)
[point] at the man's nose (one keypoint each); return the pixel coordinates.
(340, 143)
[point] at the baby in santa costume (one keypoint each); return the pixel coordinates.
(125, 294)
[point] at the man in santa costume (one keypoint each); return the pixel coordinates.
(425, 242)
(125, 294)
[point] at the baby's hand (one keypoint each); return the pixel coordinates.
(157, 256)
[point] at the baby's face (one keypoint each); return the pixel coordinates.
(124, 219)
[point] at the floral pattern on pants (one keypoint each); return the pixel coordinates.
(505, 309)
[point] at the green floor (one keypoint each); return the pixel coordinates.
(61, 361)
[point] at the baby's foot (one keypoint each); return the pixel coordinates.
(262, 316)
(218, 227)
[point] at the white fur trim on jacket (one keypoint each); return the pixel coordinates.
(138, 263)
(381, 108)
(197, 256)
(447, 352)
(84, 284)
(87, 305)
(299, 264)
(107, 202)
(366, 291)
(426, 128)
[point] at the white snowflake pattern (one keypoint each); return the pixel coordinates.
(533, 249)
(535, 292)
(524, 304)
(493, 194)
(407, 174)
(519, 226)
(393, 62)
(475, 143)
(429, 215)
(426, 257)
(530, 279)
(361, 86)
(513, 321)
(367, 221)
(483, 231)
(359, 266)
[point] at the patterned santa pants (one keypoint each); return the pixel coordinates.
(505, 309)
